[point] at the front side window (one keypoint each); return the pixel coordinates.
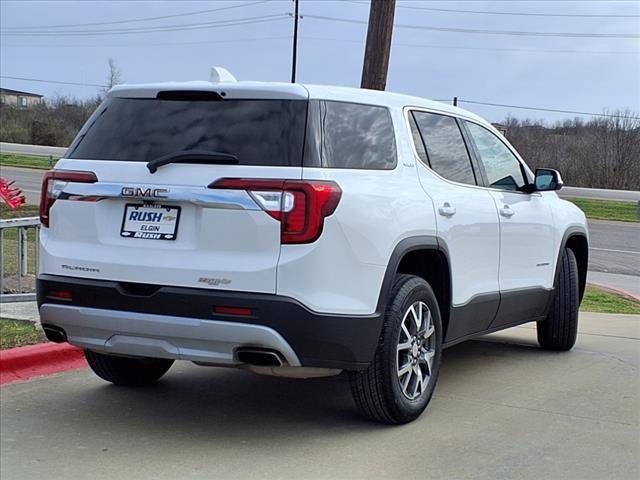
(356, 136)
(503, 169)
(445, 148)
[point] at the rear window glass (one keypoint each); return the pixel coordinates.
(258, 132)
(356, 136)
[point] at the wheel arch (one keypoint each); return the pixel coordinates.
(425, 257)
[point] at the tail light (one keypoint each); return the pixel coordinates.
(300, 206)
(53, 184)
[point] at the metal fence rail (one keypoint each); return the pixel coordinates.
(18, 258)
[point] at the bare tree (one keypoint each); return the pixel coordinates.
(114, 77)
(599, 153)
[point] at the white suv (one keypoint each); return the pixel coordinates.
(301, 231)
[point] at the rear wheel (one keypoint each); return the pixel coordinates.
(560, 329)
(399, 383)
(127, 371)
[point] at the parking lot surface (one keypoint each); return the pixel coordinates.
(503, 409)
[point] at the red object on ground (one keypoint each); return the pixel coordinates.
(23, 363)
(11, 195)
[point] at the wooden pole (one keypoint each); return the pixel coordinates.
(376, 55)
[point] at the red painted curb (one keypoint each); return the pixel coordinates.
(617, 290)
(23, 363)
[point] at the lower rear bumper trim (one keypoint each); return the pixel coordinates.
(162, 336)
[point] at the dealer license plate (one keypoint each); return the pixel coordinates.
(153, 222)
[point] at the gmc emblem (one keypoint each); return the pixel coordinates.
(144, 192)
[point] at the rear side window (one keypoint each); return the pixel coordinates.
(444, 147)
(258, 132)
(356, 136)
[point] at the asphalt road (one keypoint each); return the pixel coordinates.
(28, 179)
(32, 149)
(600, 194)
(502, 409)
(596, 193)
(615, 245)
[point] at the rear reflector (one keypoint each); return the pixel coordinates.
(300, 205)
(53, 183)
(245, 312)
(60, 294)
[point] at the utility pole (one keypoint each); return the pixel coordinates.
(294, 60)
(376, 55)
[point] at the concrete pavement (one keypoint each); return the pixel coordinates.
(503, 409)
(625, 283)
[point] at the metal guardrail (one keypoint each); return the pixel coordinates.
(16, 247)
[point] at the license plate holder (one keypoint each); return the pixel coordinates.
(150, 221)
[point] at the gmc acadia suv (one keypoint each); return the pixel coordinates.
(300, 231)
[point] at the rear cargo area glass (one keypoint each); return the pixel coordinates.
(257, 132)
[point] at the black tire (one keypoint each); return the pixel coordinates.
(560, 329)
(127, 371)
(377, 391)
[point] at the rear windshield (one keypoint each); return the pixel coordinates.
(258, 132)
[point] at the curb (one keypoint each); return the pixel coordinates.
(24, 363)
(619, 291)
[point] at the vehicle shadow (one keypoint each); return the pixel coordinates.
(205, 403)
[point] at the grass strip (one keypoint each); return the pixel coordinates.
(603, 301)
(14, 333)
(608, 209)
(26, 161)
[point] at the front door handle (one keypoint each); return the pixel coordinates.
(446, 210)
(506, 211)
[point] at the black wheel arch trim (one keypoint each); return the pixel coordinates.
(406, 245)
(583, 261)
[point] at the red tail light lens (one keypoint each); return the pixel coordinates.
(53, 183)
(301, 206)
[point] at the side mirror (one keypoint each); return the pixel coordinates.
(547, 180)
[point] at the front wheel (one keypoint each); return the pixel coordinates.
(560, 329)
(400, 381)
(127, 371)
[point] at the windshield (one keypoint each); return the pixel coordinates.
(257, 132)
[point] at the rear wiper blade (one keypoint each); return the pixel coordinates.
(192, 156)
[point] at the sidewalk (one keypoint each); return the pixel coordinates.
(20, 311)
(627, 283)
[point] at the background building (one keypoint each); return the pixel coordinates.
(19, 99)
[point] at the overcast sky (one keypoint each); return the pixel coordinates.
(567, 73)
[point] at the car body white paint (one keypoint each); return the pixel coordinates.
(341, 272)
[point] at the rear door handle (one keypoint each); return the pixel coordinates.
(446, 210)
(506, 211)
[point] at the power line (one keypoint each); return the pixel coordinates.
(541, 109)
(52, 81)
(161, 44)
(133, 20)
(475, 102)
(497, 49)
(523, 14)
(166, 28)
(488, 32)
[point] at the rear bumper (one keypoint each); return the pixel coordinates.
(178, 322)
